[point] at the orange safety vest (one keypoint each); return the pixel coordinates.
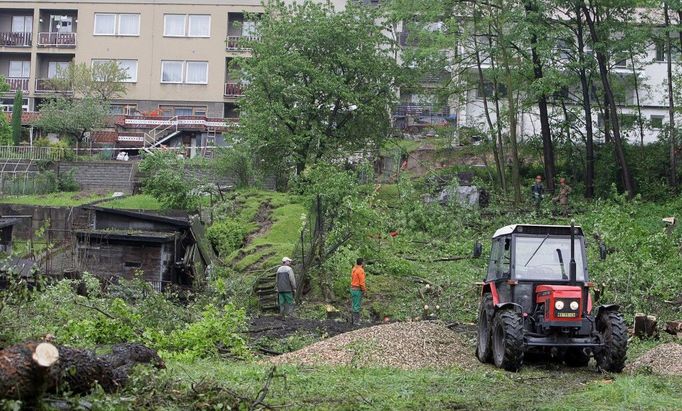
(357, 278)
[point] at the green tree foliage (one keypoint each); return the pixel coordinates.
(72, 118)
(165, 179)
(5, 130)
(16, 117)
(320, 84)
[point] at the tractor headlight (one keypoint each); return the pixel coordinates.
(559, 305)
(574, 305)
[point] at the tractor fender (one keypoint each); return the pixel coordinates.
(607, 307)
(517, 308)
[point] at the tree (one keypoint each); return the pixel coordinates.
(86, 106)
(16, 117)
(5, 130)
(321, 83)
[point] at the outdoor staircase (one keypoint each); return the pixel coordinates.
(161, 133)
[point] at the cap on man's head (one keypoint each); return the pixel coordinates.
(286, 260)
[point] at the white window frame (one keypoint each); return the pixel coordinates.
(113, 32)
(23, 66)
(184, 25)
(186, 70)
(189, 26)
(57, 65)
(131, 79)
(117, 25)
(182, 71)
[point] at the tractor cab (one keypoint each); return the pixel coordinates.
(536, 296)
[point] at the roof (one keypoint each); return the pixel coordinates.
(130, 235)
(7, 222)
(537, 229)
(139, 215)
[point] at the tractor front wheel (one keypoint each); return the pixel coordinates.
(484, 348)
(507, 334)
(614, 335)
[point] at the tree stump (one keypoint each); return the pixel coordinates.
(645, 326)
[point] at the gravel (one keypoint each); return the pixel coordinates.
(405, 345)
(664, 359)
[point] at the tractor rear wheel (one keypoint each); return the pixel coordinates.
(507, 335)
(484, 347)
(614, 336)
(576, 357)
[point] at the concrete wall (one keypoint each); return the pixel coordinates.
(61, 220)
(104, 176)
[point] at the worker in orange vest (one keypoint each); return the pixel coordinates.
(358, 289)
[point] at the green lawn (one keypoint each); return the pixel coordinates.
(134, 202)
(62, 199)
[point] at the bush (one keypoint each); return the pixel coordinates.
(227, 235)
(165, 179)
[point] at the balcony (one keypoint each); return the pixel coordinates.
(17, 83)
(16, 39)
(234, 89)
(45, 86)
(236, 43)
(53, 39)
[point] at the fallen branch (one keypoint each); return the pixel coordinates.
(263, 392)
(268, 352)
(434, 260)
(104, 313)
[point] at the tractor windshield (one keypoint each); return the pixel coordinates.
(546, 258)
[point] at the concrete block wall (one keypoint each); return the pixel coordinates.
(102, 176)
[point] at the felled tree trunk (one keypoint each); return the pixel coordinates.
(28, 370)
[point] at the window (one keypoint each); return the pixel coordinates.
(22, 24)
(123, 109)
(171, 71)
(117, 24)
(174, 25)
(197, 72)
(621, 63)
(656, 122)
(129, 66)
(547, 257)
(249, 29)
(184, 110)
(488, 90)
(182, 25)
(189, 72)
(56, 67)
(199, 26)
(660, 51)
(21, 69)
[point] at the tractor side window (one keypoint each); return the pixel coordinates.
(495, 254)
(505, 261)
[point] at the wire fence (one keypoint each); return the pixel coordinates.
(28, 183)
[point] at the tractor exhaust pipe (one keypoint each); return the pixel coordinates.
(571, 265)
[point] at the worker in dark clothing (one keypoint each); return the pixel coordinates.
(358, 289)
(286, 288)
(562, 198)
(538, 192)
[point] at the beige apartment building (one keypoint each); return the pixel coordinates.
(176, 54)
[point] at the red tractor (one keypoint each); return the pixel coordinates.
(536, 298)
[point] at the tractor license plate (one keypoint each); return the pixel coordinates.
(565, 315)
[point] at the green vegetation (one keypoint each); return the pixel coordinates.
(134, 202)
(61, 199)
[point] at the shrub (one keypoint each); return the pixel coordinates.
(165, 179)
(227, 235)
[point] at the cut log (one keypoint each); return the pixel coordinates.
(30, 369)
(645, 325)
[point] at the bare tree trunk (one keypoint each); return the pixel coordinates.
(640, 122)
(499, 164)
(671, 100)
(587, 109)
(611, 107)
(547, 146)
(498, 121)
(516, 178)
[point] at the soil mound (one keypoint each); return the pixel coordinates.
(666, 359)
(406, 345)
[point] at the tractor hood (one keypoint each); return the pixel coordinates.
(562, 302)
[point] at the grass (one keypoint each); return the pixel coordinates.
(536, 387)
(62, 199)
(134, 202)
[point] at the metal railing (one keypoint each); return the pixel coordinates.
(51, 39)
(237, 42)
(16, 39)
(234, 89)
(17, 83)
(44, 85)
(154, 135)
(31, 153)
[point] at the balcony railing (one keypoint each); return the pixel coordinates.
(420, 110)
(44, 85)
(237, 42)
(17, 83)
(16, 39)
(234, 89)
(49, 39)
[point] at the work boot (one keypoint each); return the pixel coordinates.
(290, 310)
(355, 320)
(282, 312)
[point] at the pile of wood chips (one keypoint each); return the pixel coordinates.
(666, 359)
(405, 345)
